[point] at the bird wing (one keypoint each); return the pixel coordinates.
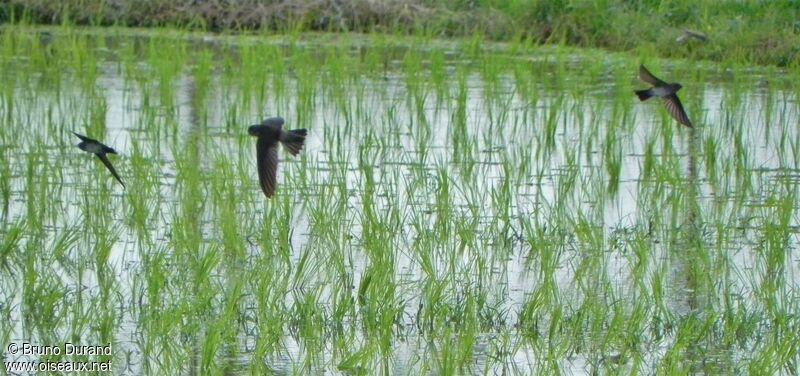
(84, 138)
(106, 162)
(648, 77)
(267, 155)
(675, 108)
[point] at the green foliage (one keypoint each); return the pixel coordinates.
(754, 32)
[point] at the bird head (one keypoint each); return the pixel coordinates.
(254, 130)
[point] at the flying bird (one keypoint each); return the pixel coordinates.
(100, 150)
(269, 133)
(667, 93)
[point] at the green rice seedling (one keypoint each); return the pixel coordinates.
(62, 246)
(551, 122)
(44, 311)
(201, 80)
(613, 163)
(5, 184)
(142, 207)
(83, 59)
(10, 250)
(36, 189)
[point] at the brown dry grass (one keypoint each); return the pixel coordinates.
(217, 15)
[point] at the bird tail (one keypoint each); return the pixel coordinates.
(643, 94)
(293, 140)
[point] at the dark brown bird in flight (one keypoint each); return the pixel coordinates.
(269, 133)
(667, 93)
(99, 149)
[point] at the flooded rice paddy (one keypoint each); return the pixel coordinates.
(458, 208)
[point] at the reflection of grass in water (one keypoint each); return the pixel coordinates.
(453, 194)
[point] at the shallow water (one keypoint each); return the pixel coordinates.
(515, 212)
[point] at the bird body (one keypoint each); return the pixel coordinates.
(269, 133)
(667, 92)
(658, 91)
(99, 149)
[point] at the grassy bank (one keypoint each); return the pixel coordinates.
(739, 31)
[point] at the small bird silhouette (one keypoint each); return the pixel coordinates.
(691, 34)
(100, 150)
(667, 93)
(269, 133)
